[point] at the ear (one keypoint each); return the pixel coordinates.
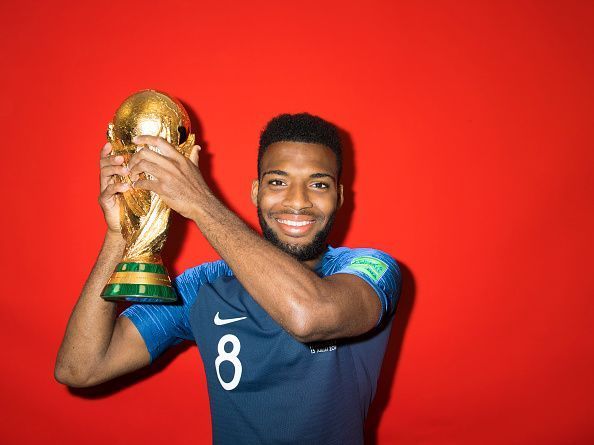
(255, 188)
(340, 196)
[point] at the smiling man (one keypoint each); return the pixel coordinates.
(292, 332)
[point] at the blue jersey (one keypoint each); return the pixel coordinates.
(264, 386)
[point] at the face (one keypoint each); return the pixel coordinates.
(297, 197)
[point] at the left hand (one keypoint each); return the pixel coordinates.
(177, 179)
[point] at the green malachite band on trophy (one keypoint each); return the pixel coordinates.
(139, 292)
(141, 267)
(140, 282)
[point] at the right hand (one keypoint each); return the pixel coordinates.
(109, 187)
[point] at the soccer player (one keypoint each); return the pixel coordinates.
(292, 332)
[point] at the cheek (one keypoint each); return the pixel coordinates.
(327, 204)
(267, 201)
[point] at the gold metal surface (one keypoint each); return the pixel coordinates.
(144, 217)
(139, 278)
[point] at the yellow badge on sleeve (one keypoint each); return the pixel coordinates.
(370, 266)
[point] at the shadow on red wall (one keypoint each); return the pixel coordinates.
(392, 356)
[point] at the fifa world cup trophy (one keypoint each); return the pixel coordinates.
(144, 217)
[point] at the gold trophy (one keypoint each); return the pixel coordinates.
(144, 217)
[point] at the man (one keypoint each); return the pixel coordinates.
(292, 332)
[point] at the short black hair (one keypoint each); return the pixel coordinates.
(301, 127)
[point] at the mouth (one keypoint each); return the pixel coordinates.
(295, 226)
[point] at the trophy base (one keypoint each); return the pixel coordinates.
(139, 283)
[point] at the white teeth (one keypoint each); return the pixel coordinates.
(294, 223)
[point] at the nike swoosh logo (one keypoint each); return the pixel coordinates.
(220, 322)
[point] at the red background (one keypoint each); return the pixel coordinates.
(469, 155)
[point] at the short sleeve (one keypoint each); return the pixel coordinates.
(376, 268)
(164, 325)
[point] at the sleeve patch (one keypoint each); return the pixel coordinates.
(370, 266)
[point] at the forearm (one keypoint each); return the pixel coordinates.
(289, 297)
(91, 323)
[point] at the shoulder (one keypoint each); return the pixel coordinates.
(376, 267)
(373, 263)
(191, 279)
(207, 271)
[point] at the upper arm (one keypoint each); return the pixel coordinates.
(159, 326)
(361, 290)
(140, 334)
(127, 352)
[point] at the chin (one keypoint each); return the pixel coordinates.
(306, 248)
(297, 241)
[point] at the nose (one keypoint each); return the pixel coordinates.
(297, 198)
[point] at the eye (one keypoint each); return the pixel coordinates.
(276, 182)
(320, 185)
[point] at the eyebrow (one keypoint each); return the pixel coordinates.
(284, 173)
(275, 172)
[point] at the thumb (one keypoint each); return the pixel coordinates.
(194, 154)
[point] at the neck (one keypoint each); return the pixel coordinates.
(311, 264)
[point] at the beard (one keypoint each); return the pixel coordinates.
(300, 252)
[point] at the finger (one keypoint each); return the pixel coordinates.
(194, 154)
(111, 160)
(148, 155)
(104, 181)
(164, 147)
(147, 184)
(108, 173)
(106, 150)
(146, 166)
(110, 170)
(112, 189)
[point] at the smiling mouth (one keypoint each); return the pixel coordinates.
(294, 223)
(295, 228)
